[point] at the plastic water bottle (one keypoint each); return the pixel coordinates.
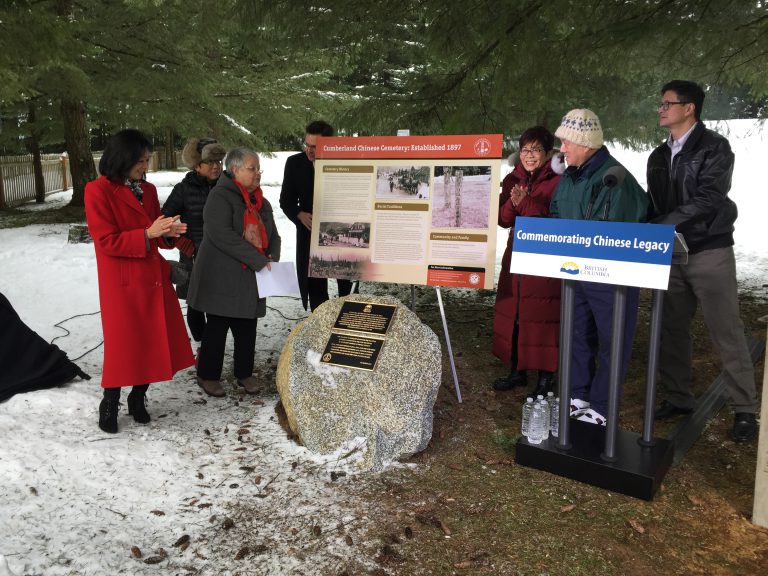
(550, 399)
(537, 424)
(540, 400)
(554, 417)
(527, 407)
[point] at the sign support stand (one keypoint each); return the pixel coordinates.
(448, 344)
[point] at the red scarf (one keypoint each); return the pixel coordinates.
(253, 226)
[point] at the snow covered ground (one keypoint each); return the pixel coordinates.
(212, 485)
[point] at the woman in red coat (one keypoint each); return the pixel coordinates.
(145, 339)
(526, 323)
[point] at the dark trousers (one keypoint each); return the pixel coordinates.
(317, 289)
(591, 345)
(211, 358)
(196, 323)
(708, 279)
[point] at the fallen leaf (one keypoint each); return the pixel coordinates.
(228, 523)
(153, 560)
(348, 540)
(135, 552)
(695, 501)
(182, 540)
(316, 530)
(568, 508)
(455, 467)
(463, 565)
(257, 480)
(444, 528)
(33, 490)
(408, 532)
(204, 505)
(243, 431)
(636, 526)
(242, 553)
(157, 512)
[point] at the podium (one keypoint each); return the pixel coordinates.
(620, 461)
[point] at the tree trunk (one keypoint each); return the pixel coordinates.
(170, 153)
(34, 149)
(78, 148)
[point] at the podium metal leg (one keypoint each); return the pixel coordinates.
(654, 344)
(614, 380)
(567, 296)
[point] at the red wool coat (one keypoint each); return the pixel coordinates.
(145, 339)
(534, 301)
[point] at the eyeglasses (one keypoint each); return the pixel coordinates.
(666, 104)
(310, 146)
(253, 169)
(531, 151)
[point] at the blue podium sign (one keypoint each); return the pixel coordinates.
(623, 253)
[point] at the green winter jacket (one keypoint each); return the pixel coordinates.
(581, 194)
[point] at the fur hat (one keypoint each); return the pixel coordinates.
(199, 150)
(581, 126)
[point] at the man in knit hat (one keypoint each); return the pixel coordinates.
(203, 157)
(582, 194)
(689, 178)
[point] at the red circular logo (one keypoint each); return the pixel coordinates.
(482, 146)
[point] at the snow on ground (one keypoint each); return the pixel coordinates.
(219, 471)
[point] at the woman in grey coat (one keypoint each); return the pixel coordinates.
(240, 238)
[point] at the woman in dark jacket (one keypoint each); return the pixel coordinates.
(187, 199)
(239, 239)
(527, 313)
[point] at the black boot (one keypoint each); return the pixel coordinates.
(136, 407)
(545, 384)
(108, 409)
(515, 378)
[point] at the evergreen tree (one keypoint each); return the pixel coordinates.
(503, 66)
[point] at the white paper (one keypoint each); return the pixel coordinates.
(280, 281)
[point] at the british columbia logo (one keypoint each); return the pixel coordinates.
(570, 268)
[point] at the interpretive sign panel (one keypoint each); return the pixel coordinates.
(365, 317)
(623, 253)
(410, 209)
(352, 351)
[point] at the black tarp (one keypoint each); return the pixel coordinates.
(27, 362)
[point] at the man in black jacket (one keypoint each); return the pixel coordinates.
(689, 178)
(296, 197)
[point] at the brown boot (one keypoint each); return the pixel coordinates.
(211, 387)
(251, 384)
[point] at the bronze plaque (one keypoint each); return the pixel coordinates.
(352, 351)
(365, 317)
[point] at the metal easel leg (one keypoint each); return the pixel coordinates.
(448, 343)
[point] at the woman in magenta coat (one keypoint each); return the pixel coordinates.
(526, 321)
(145, 339)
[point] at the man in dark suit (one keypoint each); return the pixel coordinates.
(296, 197)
